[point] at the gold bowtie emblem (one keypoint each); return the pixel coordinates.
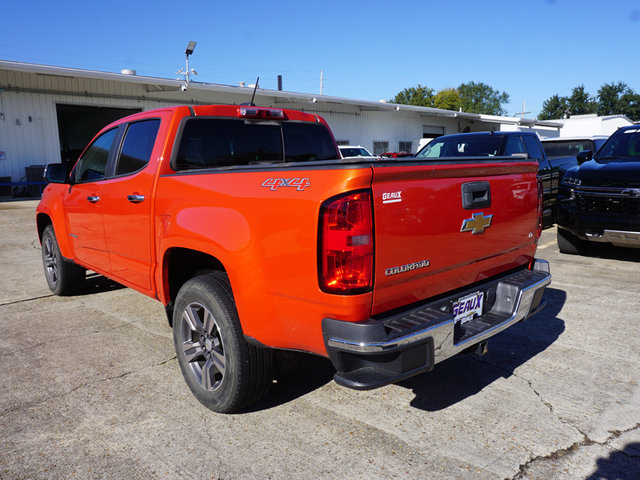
(477, 223)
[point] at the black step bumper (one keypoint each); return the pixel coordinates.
(377, 352)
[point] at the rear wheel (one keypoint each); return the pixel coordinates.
(569, 243)
(223, 371)
(63, 276)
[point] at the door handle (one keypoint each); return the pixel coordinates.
(135, 198)
(93, 198)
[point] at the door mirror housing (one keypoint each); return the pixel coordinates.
(56, 173)
(584, 156)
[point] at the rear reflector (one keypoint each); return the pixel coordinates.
(346, 244)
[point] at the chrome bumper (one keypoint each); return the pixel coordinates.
(619, 238)
(377, 352)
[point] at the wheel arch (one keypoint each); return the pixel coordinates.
(42, 221)
(179, 266)
(46, 216)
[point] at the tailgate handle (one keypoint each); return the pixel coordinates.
(476, 195)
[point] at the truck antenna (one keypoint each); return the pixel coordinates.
(254, 93)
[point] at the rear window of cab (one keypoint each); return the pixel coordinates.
(207, 142)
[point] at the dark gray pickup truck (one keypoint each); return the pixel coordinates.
(493, 144)
(599, 200)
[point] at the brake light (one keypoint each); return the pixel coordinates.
(540, 209)
(261, 113)
(346, 244)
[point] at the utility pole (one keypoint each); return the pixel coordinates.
(523, 113)
(321, 80)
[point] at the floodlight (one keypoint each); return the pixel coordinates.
(190, 47)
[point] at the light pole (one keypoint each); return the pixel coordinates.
(186, 72)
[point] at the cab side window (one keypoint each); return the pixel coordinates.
(137, 146)
(92, 166)
(533, 147)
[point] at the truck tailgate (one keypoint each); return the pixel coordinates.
(429, 241)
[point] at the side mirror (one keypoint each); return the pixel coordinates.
(584, 156)
(56, 173)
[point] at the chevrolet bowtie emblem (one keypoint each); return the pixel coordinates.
(477, 223)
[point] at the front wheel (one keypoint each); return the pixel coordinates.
(569, 243)
(63, 276)
(222, 370)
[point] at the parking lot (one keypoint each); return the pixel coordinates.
(90, 388)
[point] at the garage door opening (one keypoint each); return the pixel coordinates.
(78, 124)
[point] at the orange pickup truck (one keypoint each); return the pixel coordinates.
(246, 223)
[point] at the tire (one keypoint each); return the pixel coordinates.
(63, 276)
(222, 370)
(569, 243)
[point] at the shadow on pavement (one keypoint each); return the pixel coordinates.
(465, 375)
(620, 465)
(613, 253)
(296, 374)
(96, 283)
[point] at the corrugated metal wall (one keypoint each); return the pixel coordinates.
(28, 120)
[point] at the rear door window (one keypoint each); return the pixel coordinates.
(137, 146)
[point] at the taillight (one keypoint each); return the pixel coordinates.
(540, 209)
(346, 244)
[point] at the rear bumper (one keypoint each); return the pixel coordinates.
(377, 352)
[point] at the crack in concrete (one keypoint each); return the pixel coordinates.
(542, 400)
(587, 442)
(89, 384)
(25, 300)
(561, 452)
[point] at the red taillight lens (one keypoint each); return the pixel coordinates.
(540, 209)
(346, 244)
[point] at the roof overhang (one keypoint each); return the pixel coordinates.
(156, 85)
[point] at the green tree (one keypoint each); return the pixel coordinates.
(554, 108)
(630, 106)
(612, 99)
(618, 99)
(447, 99)
(580, 102)
(481, 98)
(609, 97)
(420, 96)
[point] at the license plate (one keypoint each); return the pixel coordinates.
(467, 307)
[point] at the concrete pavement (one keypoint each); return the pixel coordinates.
(90, 388)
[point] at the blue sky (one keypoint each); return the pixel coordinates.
(369, 50)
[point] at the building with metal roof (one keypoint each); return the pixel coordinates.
(48, 114)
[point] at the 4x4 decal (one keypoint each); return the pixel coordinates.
(297, 183)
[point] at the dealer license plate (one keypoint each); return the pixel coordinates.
(468, 307)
